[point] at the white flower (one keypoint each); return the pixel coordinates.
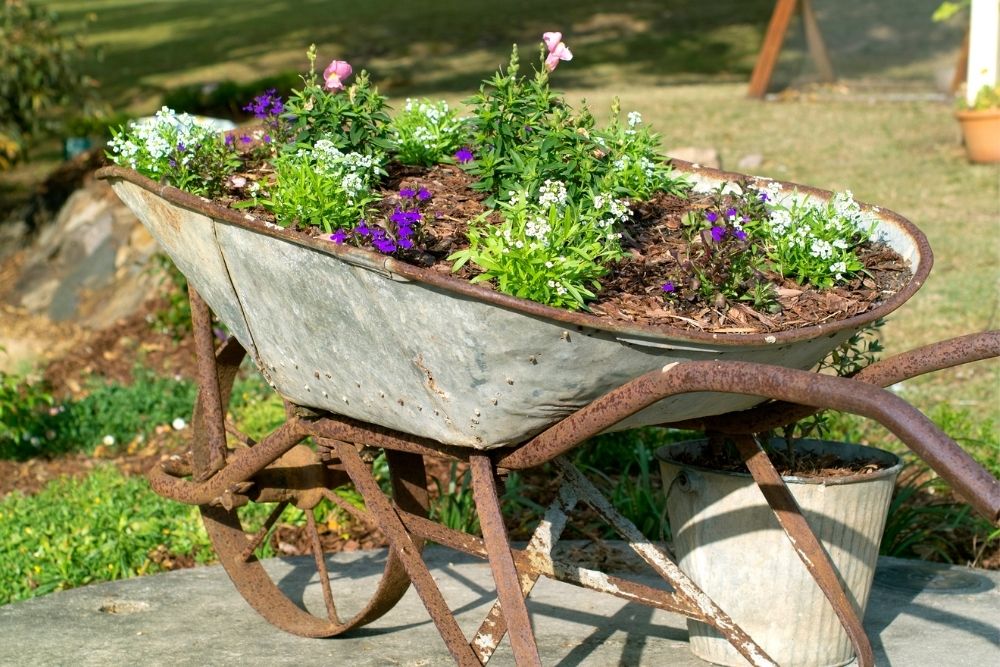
(108, 440)
(634, 118)
(552, 193)
(838, 268)
(821, 249)
(178, 424)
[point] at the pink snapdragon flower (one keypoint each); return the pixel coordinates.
(335, 73)
(557, 50)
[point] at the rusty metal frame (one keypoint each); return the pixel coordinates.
(221, 479)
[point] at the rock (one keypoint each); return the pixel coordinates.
(90, 265)
(750, 162)
(706, 157)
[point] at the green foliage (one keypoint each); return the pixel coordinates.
(176, 149)
(175, 318)
(24, 407)
(987, 97)
(814, 242)
(98, 528)
(548, 250)
(256, 409)
(40, 76)
(354, 121)
(113, 412)
(427, 133)
(454, 505)
(321, 186)
(525, 134)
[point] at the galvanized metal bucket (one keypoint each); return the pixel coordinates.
(360, 334)
(727, 539)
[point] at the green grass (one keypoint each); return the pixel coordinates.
(97, 528)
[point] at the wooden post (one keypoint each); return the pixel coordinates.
(775, 36)
(771, 47)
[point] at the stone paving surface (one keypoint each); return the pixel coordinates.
(919, 614)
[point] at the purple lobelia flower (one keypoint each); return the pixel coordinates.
(711, 216)
(338, 236)
(718, 233)
(668, 287)
(423, 194)
(464, 155)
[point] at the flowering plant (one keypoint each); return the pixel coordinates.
(526, 194)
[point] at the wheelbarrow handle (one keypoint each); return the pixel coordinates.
(919, 433)
(916, 362)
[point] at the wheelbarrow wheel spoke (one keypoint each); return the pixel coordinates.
(324, 575)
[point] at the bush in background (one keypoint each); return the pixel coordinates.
(40, 77)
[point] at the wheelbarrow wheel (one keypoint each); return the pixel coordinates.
(238, 549)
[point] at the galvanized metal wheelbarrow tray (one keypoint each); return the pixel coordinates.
(371, 353)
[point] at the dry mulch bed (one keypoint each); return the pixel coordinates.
(631, 292)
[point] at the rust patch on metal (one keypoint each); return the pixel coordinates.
(429, 378)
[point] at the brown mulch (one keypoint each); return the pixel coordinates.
(631, 291)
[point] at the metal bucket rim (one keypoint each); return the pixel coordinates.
(893, 462)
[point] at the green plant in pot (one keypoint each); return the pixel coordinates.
(724, 530)
(978, 111)
(980, 122)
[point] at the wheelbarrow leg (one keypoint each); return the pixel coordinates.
(512, 603)
(658, 560)
(406, 549)
(807, 546)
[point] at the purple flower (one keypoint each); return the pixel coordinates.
(423, 194)
(407, 193)
(267, 138)
(763, 196)
(246, 138)
(668, 287)
(740, 234)
(267, 104)
(463, 155)
(181, 147)
(730, 212)
(338, 236)
(363, 228)
(173, 162)
(401, 217)
(718, 233)
(711, 216)
(405, 243)
(230, 139)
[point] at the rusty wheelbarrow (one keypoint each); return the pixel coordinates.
(374, 355)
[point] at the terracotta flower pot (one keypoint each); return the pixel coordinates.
(981, 132)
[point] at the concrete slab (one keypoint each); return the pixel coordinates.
(919, 614)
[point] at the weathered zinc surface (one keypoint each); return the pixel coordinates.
(352, 332)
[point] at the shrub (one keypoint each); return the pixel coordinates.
(40, 76)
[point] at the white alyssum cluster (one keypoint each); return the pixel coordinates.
(552, 193)
(155, 139)
(611, 212)
(354, 170)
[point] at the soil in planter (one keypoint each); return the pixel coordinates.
(631, 292)
(802, 464)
